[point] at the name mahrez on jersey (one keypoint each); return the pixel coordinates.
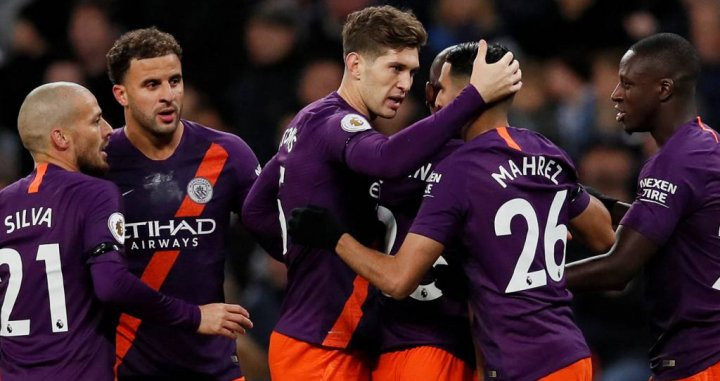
(161, 235)
(531, 165)
(28, 217)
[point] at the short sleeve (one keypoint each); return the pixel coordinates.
(579, 201)
(666, 191)
(443, 207)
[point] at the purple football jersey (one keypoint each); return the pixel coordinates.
(329, 156)
(178, 214)
(510, 193)
(426, 317)
(52, 325)
(677, 206)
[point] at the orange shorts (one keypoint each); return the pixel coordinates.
(710, 374)
(294, 360)
(580, 370)
(422, 363)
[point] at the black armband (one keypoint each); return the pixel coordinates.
(606, 200)
(103, 248)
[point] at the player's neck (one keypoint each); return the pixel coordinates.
(154, 147)
(672, 118)
(491, 119)
(352, 97)
(59, 161)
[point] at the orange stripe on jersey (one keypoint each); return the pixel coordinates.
(210, 168)
(161, 262)
(154, 275)
(503, 132)
(40, 173)
(344, 327)
(708, 129)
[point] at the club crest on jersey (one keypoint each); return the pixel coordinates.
(354, 123)
(200, 190)
(116, 224)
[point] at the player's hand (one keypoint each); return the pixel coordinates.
(497, 80)
(314, 226)
(224, 319)
(451, 280)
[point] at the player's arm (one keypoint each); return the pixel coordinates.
(115, 285)
(376, 155)
(593, 227)
(396, 275)
(612, 271)
(260, 213)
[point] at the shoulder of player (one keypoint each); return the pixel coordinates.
(230, 142)
(91, 184)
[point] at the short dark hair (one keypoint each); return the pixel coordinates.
(671, 53)
(374, 29)
(463, 56)
(138, 44)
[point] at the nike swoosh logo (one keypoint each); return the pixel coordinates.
(128, 192)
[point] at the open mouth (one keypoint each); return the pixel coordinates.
(620, 116)
(167, 116)
(395, 101)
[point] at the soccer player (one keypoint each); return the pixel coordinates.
(61, 251)
(511, 195)
(179, 181)
(426, 335)
(671, 228)
(329, 155)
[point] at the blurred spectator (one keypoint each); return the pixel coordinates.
(705, 35)
(568, 84)
(266, 86)
(37, 33)
(92, 34)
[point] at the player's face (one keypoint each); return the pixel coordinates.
(387, 79)
(635, 96)
(448, 87)
(154, 93)
(91, 134)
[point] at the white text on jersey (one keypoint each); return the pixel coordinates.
(28, 217)
(531, 165)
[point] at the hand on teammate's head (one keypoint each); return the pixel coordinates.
(497, 80)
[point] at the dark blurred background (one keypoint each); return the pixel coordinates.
(250, 65)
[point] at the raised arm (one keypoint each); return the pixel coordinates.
(379, 156)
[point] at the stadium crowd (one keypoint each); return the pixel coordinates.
(249, 66)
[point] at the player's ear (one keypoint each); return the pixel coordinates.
(59, 139)
(667, 86)
(120, 94)
(353, 64)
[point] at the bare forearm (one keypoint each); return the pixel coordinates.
(596, 274)
(379, 269)
(615, 269)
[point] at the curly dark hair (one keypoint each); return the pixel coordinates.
(138, 44)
